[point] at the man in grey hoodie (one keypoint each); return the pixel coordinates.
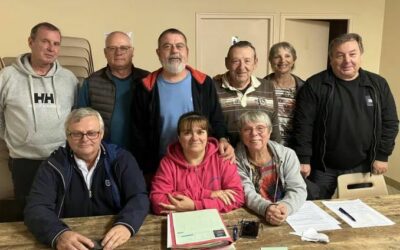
(36, 95)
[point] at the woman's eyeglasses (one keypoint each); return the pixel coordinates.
(257, 129)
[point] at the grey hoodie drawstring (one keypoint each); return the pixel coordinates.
(32, 102)
(55, 97)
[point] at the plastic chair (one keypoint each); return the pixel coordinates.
(74, 61)
(8, 60)
(75, 42)
(75, 51)
(1, 63)
(359, 185)
(79, 71)
(81, 43)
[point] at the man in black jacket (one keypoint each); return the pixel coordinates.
(87, 178)
(345, 120)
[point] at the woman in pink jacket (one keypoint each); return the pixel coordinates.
(192, 176)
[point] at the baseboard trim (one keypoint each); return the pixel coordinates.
(392, 183)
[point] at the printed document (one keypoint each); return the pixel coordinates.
(312, 216)
(358, 214)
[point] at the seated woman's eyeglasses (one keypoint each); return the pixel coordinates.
(123, 49)
(258, 129)
(91, 135)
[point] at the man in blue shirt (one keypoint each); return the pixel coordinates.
(167, 93)
(109, 90)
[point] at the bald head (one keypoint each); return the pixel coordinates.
(118, 35)
(119, 52)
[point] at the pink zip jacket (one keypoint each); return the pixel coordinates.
(176, 176)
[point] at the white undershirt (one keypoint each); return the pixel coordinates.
(87, 174)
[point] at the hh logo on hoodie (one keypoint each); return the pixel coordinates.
(44, 98)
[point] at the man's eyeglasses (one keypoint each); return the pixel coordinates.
(258, 129)
(123, 49)
(91, 135)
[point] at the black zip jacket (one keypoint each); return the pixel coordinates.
(312, 107)
(59, 191)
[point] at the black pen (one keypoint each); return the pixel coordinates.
(346, 213)
(235, 232)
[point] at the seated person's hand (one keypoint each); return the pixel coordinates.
(305, 170)
(227, 196)
(276, 214)
(116, 236)
(179, 203)
(73, 240)
(226, 150)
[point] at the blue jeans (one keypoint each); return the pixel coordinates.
(327, 181)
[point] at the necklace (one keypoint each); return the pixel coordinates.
(285, 84)
(262, 161)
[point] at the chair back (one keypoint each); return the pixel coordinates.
(1, 63)
(74, 51)
(74, 61)
(79, 42)
(359, 185)
(9, 60)
(78, 71)
(75, 42)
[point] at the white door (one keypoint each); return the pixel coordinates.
(310, 39)
(214, 35)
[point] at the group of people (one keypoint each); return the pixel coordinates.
(193, 141)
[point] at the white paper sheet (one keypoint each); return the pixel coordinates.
(312, 216)
(169, 236)
(364, 215)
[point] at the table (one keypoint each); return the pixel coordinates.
(152, 234)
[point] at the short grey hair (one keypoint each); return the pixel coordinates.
(77, 114)
(44, 25)
(241, 44)
(343, 39)
(255, 116)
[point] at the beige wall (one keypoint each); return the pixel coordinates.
(390, 70)
(91, 18)
(146, 19)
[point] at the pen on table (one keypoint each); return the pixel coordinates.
(346, 213)
(235, 232)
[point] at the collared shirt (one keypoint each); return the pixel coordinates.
(243, 97)
(86, 173)
(258, 96)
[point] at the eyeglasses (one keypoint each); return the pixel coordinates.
(258, 129)
(91, 135)
(123, 49)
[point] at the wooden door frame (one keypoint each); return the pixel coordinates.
(312, 16)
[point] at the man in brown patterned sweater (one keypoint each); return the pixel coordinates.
(239, 91)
